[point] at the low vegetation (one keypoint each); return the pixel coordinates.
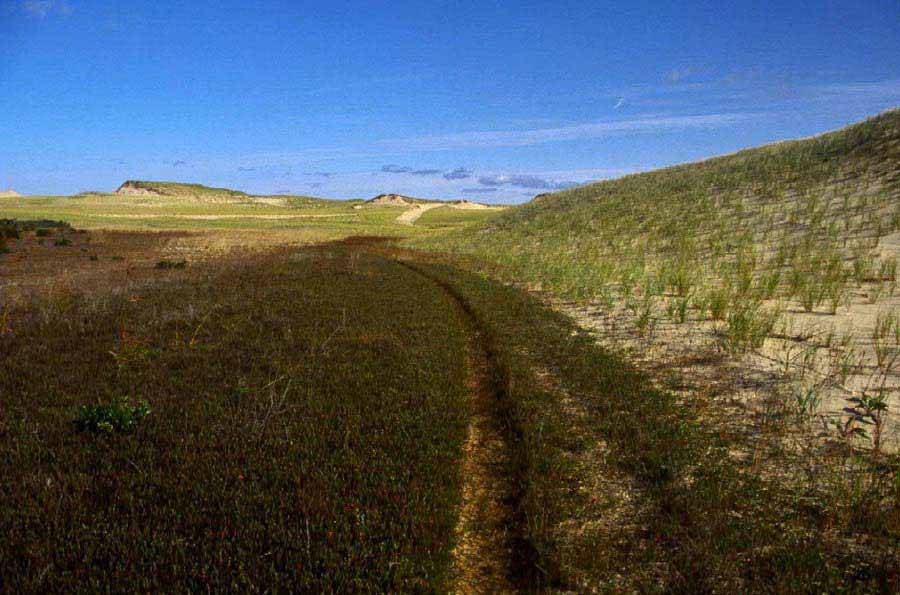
(307, 416)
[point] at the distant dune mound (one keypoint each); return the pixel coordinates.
(399, 200)
(9, 194)
(180, 190)
(173, 192)
(137, 189)
(468, 204)
(393, 200)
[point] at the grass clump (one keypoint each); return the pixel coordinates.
(119, 415)
(171, 264)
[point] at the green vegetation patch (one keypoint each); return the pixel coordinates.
(119, 415)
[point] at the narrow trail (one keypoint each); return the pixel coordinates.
(410, 215)
(482, 558)
(486, 558)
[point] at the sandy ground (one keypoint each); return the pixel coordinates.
(822, 358)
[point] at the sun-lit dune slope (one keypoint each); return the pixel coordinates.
(201, 193)
(798, 218)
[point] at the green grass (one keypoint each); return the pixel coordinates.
(306, 417)
(445, 218)
(306, 220)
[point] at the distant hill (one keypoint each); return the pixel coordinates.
(201, 193)
(9, 194)
(399, 200)
(142, 188)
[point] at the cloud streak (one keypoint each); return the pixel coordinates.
(460, 173)
(42, 8)
(524, 138)
(529, 182)
(397, 169)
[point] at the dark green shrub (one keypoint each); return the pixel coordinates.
(116, 416)
(42, 233)
(171, 264)
(9, 229)
(63, 242)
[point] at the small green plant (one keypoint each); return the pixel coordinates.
(42, 233)
(642, 310)
(63, 242)
(747, 327)
(768, 284)
(869, 410)
(807, 401)
(119, 415)
(9, 230)
(886, 339)
(717, 303)
(171, 264)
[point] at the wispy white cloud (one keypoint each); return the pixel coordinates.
(527, 181)
(619, 103)
(523, 138)
(397, 147)
(42, 8)
(679, 75)
(873, 90)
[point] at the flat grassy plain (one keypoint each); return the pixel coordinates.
(306, 420)
(317, 219)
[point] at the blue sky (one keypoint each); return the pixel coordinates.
(488, 100)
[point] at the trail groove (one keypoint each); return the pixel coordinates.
(485, 558)
(482, 558)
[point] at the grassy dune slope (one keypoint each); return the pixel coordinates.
(799, 218)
